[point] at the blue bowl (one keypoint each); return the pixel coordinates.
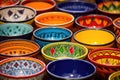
(47, 35)
(70, 69)
(15, 30)
(77, 8)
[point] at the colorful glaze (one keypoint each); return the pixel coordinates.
(115, 76)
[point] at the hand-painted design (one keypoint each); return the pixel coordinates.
(10, 12)
(15, 16)
(21, 11)
(52, 51)
(71, 49)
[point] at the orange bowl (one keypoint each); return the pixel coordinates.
(118, 41)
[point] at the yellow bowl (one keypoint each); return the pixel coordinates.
(114, 76)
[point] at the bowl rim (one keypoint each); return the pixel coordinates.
(113, 74)
(51, 1)
(63, 43)
(94, 15)
(103, 11)
(94, 29)
(53, 12)
(118, 36)
(100, 49)
(70, 11)
(28, 41)
(115, 20)
(68, 30)
(9, 36)
(18, 6)
(23, 58)
(60, 77)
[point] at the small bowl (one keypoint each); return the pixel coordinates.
(5, 3)
(47, 35)
(15, 30)
(77, 8)
(70, 69)
(94, 21)
(94, 38)
(17, 14)
(22, 68)
(106, 60)
(47, 5)
(61, 50)
(116, 27)
(18, 47)
(115, 76)
(58, 19)
(118, 41)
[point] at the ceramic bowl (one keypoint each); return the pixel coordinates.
(47, 35)
(94, 38)
(15, 30)
(17, 14)
(118, 41)
(47, 5)
(77, 8)
(107, 60)
(22, 68)
(61, 50)
(5, 3)
(18, 47)
(58, 19)
(115, 76)
(70, 69)
(116, 26)
(94, 21)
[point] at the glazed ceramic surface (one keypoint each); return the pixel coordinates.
(115, 76)
(16, 14)
(15, 30)
(118, 41)
(24, 68)
(70, 69)
(60, 50)
(48, 35)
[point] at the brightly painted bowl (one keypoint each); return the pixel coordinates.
(18, 47)
(116, 27)
(77, 8)
(58, 19)
(94, 38)
(61, 50)
(17, 14)
(47, 35)
(94, 21)
(22, 68)
(15, 30)
(115, 76)
(5, 3)
(106, 60)
(40, 5)
(118, 41)
(70, 69)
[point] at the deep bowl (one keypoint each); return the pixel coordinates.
(70, 69)
(15, 30)
(47, 5)
(22, 68)
(58, 19)
(94, 21)
(107, 60)
(18, 47)
(116, 26)
(5, 3)
(47, 35)
(61, 50)
(118, 41)
(17, 14)
(115, 76)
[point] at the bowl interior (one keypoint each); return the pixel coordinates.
(52, 34)
(54, 18)
(16, 14)
(64, 50)
(15, 29)
(70, 69)
(116, 22)
(76, 7)
(108, 57)
(94, 21)
(18, 47)
(112, 7)
(118, 39)
(115, 76)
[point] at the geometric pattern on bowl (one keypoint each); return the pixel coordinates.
(115, 76)
(16, 14)
(111, 7)
(60, 50)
